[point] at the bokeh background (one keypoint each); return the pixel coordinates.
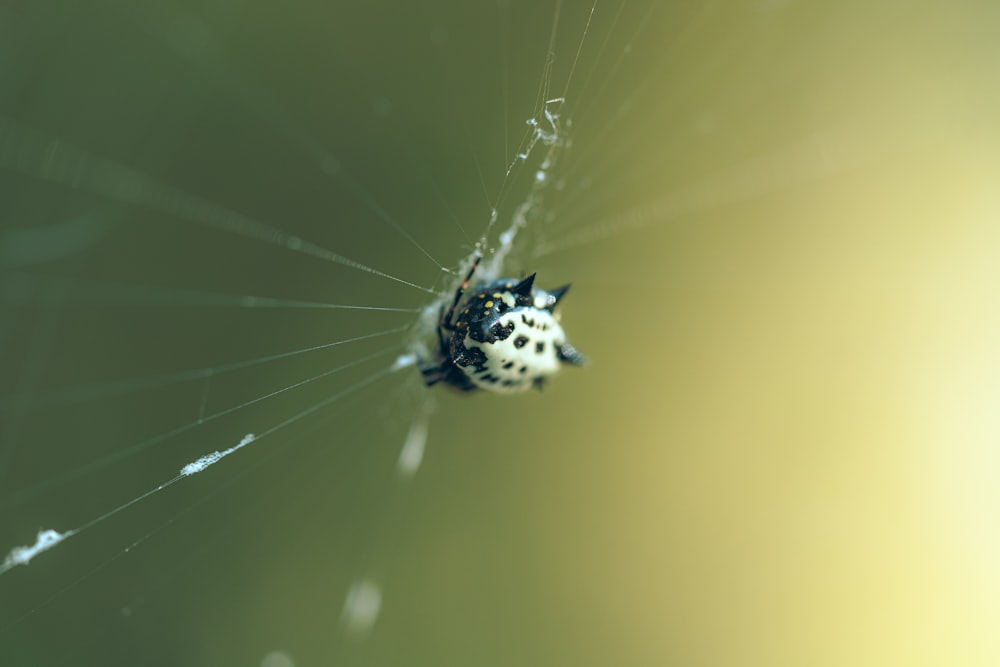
(780, 220)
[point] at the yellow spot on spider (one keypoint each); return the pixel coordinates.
(488, 304)
(482, 296)
(496, 295)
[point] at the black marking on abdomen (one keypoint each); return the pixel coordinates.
(470, 356)
(501, 332)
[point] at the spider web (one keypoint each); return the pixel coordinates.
(82, 272)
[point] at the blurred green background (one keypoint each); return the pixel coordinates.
(780, 220)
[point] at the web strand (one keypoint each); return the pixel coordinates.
(34, 154)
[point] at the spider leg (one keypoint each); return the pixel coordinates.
(446, 371)
(447, 322)
(433, 374)
(443, 344)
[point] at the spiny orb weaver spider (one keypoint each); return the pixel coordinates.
(506, 339)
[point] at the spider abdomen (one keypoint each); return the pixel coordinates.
(507, 337)
(504, 338)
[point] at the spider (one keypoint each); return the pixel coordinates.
(506, 339)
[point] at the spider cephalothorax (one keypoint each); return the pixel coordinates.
(506, 337)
